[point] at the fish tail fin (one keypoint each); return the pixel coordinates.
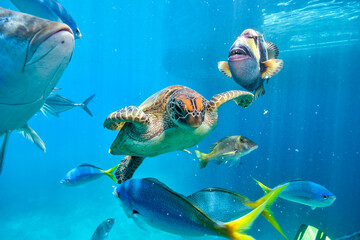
(236, 229)
(3, 149)
(203, 157)
(84, 105)
(265, 188)
(267, 213)
(110, 172)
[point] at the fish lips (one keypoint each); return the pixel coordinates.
(51, 29)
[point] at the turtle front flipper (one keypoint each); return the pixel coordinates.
(242, 98)
(116, 120)
(127, 168)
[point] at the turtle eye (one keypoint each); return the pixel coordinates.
(179, 109)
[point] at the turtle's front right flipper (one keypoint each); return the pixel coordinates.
(116, 120)
(242, 98)
(127, 168)
(3, 148)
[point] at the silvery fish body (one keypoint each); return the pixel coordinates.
(34, 55)
(48, 9)
(102, 231)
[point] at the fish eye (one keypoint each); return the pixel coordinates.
(325, 197)
(242, 140)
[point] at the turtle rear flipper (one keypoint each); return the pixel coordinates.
(242, 98)
(127, 168)
(116, 120)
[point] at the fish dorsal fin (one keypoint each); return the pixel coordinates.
(89, 165)
(31, 135)
(240, 197)
(270, 67)
(224, 68)
(272, 49)
(296, 180)
(212, 146)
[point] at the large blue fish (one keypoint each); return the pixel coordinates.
(34, 55)
(154, 203)
(48, 9)
(225, 205)
(86, 173)
(304, 192)
(251, 61)
(102, 231)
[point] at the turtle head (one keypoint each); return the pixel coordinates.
(187, 108)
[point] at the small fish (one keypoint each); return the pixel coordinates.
(152, 202)
(251, 61)
(48, 9)
(56, 104)
(228, 148)
(86, 173)
(225, 205)
(304, 192)
(354, 236)
(102, 231)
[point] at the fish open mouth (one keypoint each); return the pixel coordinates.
(239, 51)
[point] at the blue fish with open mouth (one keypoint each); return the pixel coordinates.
(304, 192)
(251, 61)
(150, 201)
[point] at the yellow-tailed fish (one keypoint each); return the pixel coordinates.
(224, 205)
(230, 148)
(304, 192)
(251, 61)
(86, 173)
(152, 202)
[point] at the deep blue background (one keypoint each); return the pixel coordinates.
(132, 49)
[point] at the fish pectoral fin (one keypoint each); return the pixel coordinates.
(187, 151)
(260, 91)
(3, 148)
(230, 153)
(139, 221)
(313, 208)
(272, 49)
(223, 67)
(47, 108)
(31, 135)
(271, 67)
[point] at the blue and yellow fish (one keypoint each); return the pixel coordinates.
(154, 203)
(304, 192)
(86, 173)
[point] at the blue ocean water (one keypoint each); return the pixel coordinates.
(306, 125)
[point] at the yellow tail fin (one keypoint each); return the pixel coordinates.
(111, 171)
(203, 157)
(265, 188)
(236, 229)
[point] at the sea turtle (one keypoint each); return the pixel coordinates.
(172, 119)
(34, 55)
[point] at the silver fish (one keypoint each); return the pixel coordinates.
(48, 9)
(230, 148)
(102, 231)
(251, 61)
(30, 71)
(56, 104)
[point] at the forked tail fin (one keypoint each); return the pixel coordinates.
(110, 172)
(202, 157)
(267, 213)
(236, 230)
(84, 105)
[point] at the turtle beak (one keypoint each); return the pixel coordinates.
(194, 121)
